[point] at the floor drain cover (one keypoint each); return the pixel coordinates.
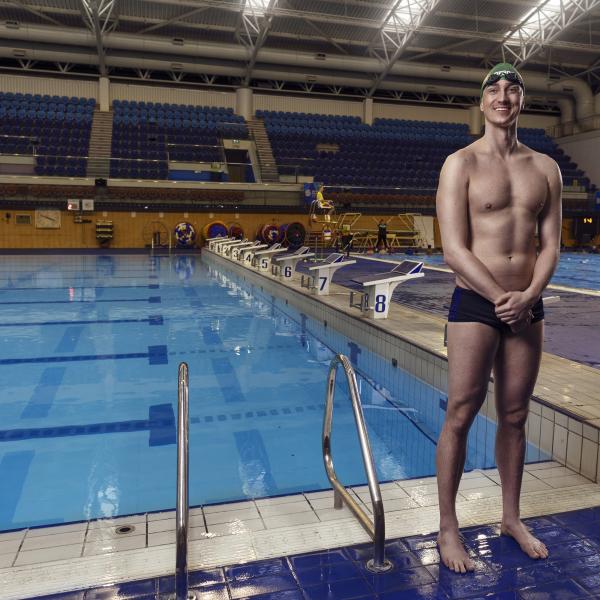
(125, 529)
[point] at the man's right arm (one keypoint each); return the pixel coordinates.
(453, 217)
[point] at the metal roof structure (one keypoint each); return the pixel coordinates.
(368, 48)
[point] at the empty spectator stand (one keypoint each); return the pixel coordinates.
(53, 129)
(149, 135)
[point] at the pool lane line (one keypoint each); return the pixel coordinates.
(552, 286)
(151, 300)
(156, 355)
(160, 424)
(151, 320)
(150, 286)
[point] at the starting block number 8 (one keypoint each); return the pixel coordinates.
(380, 303)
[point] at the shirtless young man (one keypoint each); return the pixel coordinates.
(491, 196)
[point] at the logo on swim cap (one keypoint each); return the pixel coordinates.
(503, 71)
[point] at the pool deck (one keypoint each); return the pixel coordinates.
(566, 413)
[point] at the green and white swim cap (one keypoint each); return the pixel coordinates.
(503, 71)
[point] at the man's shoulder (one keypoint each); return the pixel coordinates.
(543, 161)
(463, 157)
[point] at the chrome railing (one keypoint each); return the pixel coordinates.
(375, 528)
(182, 514)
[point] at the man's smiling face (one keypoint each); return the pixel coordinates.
(502, 102)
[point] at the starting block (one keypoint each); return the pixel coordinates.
(234, 250)
(286, 265)
(263, 258)
(246, 255)
(221, 247)
(324, 273)
(212, 242)
(379, 288)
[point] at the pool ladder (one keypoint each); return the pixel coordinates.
(375, 528)
(182, 509)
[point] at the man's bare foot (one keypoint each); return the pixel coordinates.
(453, 553)
(533, 547)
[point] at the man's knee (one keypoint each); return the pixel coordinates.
(463, 408)
(515, 419)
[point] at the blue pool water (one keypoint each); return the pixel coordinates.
(89, 352)
(575, 269)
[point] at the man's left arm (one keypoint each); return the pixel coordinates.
(512, 305)
(549, 228)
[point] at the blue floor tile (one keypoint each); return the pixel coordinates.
(558, 590)
(327, 573)
(257, 569)
(572, 549)
(287, 595)
(203, 578)
(340, 590)
(123, 591)
(317, 559)
(400, 579)
(267, 584)
(425, 592)
(364, 552)
(212, 592)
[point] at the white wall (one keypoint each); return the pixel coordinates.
(172, 95)
(584, 149)
(308, 104)
(54, 86)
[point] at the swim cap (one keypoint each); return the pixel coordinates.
(503, 71)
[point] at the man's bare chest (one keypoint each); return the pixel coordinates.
(493, 189)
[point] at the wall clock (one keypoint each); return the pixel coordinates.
(47, 218)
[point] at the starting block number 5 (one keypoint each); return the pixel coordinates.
(264, 264)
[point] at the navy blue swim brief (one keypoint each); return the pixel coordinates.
(468, 306)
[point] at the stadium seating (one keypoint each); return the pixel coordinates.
(54, 129)
(390, 157)
(147, 135)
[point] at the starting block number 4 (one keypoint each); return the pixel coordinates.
(248, 258)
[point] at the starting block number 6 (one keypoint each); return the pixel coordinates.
(287, 271)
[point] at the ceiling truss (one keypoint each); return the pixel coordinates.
(97, 15)
(543, 25)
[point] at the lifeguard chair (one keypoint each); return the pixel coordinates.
(322, 211)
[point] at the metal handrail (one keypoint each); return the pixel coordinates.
(182, 510)
(375, 528)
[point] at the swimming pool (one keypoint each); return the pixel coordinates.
(575, 269)
(88, 372)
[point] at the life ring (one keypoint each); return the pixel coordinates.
(215, 229)
(293, 234)
(236, 231)
(269, 233)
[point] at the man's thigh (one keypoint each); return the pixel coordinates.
(471, 352)
(516, 367)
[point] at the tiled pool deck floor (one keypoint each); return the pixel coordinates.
(502, 571)
(91, 554)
